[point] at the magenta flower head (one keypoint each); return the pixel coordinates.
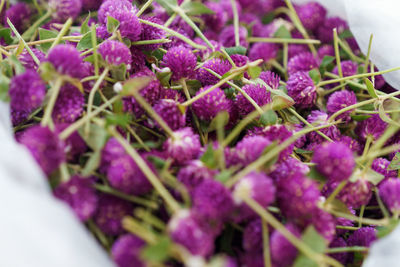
(66, 60)
(109, 7)
(353, 144)
(264, 51)
(170, 113)
(90, 4)
(326, 50)
(69, 105)
(183, 146)
(334, 160)
(207, 107)
(126, 251)
(380, 165)
(80, 195)
(19, 15)
(111, 210)
(283, 253)
(302, 62)
(181, 61)
(270, 78)
(349, 68)
(311, 14)
(129, 25)
(27, 91)
(325, 30)
(372, 127)
(339, 100)
(252, 236)
(65, 9)
(251, 148)
(151, 33)
(193, 174)
(389, 191)
(227, 36)
(111, 151)
(239, 60)
(217, 65)
(27, 61)
(74, 144)
(363, 237)
(257, 92)
(185, 230)
(319, 118)
(301, 88)
(115, 53)
(343, 257)
(289, 168)
(296, 49)
(323, 223)
(217, 20)
(45, 146)
(18, 116)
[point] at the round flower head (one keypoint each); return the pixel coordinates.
(311, 14)
(126, 251)
(373, 127)
(18, 116)
(343, 257)
(90, 4)
(69, 104)
(170, 113)
(27, 91)
(326, 50)
(257, 92)
(289, 168)
(325, 30)
(66, 60)
(239, 60)
(129, 25)
(270, 78)
(362, 237)
(389, 191)
(251, 258)
(181, 61)
(65, 9)
(212, 200)
(318, 118)
(74, 144)
(323, 223)
(380, 165)
(302, 62)
(349, 68)
(109, 7)
(27, 61)
(227, 36)
(184, 146)
(115, 53)
(217, 20)
(283, 253)
(112, 150)
(258, 6)
(111, 210)
(80, 195)
(351, 143)
(344, 222)
(124, 175)
(296, 49)
(185, 230)
(255, 24)
(102, 32)
(45, 146)
(250, 148)
(301, 88)
(217, 65)
(334, 160)
(151, 33)
(207, 107)
(339, 100)
(264, 51)
(252, 236)
(19, 15)
(193, 174)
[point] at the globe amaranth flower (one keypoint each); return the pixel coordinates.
(125, 251)
(302, 62)
(183, 146)
(264, 51)
(342, 257)
(129, 25)
(334, 160)
(208, 106)
(90, 5)
(270, 78)
(18, 116)
(27, 91)
(373, 127)
(108, 8)
(65, 9)
(19, 15)
(381, 165)
(349, 68)
(227, 6)
(289, 168)
(340, 100)
(111, 151)
(74, 144)
(296, 49)
(283, 253)
(258, 7)
(353, 144)
(362, 237)
(69, 105)
(110, 212)
(151, 33)
(181, 61)
(220, 66)
(252, 236)
(227, 36)
(45, 146)
(326, 50)
(323, 222)
(325, 29)
(27, 61)
(115, 53)
(319, 118)
(301, 88)
(257, 92)
(169, 111)
(217, 20)
(66, 60)
(185, 230)
(254, 23)
(250, 148)
(80, 195)
(389, 191)
(193, 174)
(311, 15)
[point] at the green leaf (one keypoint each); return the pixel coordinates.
(135, 85)
(282, 32)
(159, 163)
(158, 251)
(302, 151)
(269, 117)
(339, 206)
(219, 121)
(85, 42)
(44, 35)
(316, 175)
(360, 117)
(118, 119)
(316, 242)
(315, 75)
(195, 8)
(254, 72)
(326, 64)
(345, 34)
(223, 176)
(85, 25)
(268, 18)
(168, 5)
(236, 50)
(4, 87)
(208, 157)
(385, 230)
(96, 138)
(304, 261)
(280, 100)
(112, 24)
(5, 33)
(164, 78)
(119, 73)
(385, 117)
(374, 177)
(92, 163)
(395, 163)
(370, 88)
(17, 65)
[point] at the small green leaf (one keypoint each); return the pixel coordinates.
(208, 157)
(268, 18)
(219, 121)
(326, 64)
(158, 251)
(135, 85)
(118, 119)
(370, 88)
(369, 107)
(395, 163)
(269, 117)
(304, 261)
(92, 163)
(85, 25)
(164, 78)
(254, 72)
(195, 8)
(345, 34)
(4, 87)
(223, 176)
(16, 64)
(339, 206)
(314, 240)
(374, 177)
(315, 75)
(5, 34)
(119, 73)
(385, 117)
(302, 151)
(360, 117)
(96, 138)
(47, 71)
(280, 100)
(168, 5)
(282, 32)
(316, 175)
(44, 35)
(385, 230)
(112, 24)
(236, 50)
(85, 42)
(159, 163)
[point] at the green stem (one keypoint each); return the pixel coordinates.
(137, 137)
(266, 253)
(337, 53)
(346, 249)
(368, 54)
(50, 40)
(99, 234)
(149, 218)
(282, 40)
(63, 31)
(154, 41)
(235, 22)
(361, 216)
(134, 227)
(366, 221)
(54, 91)
(349, 52)
(285, 58)
(28, 33)
(335, 193)
(94, 46)
(144, 7)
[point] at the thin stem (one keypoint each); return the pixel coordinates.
(337, 54)
(63, 31)
(185, 88)
(149, 218)
(366, 221)
(137, 137)
(349, 52)
(50, 40)
(266, 253)
(335, 193)
(327, 92)
(54, 91)
(35, 25)
(144, 7)
(368, 54)
(285, 57)
(282, 40)
(346, 249)
(94, 46)
(154, 41)
(235, 22)
(132, 226)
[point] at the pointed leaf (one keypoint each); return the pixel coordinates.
(85, 42)
(240, 50)
(168, 5)
(208, 157)
(395, 163)
(219, 121)
(315, 75)
(44, 35)
(85, 25)
(112, 24)
(195, 8)
(92, 164)
(134, 85)
(370, 88)
(282, 32)
(96, 138)
(254, 72)
(5, 34)
(269, 117)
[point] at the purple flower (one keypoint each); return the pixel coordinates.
(109, 7)
(264, 51)
(353, 144)
(325, 29)
(302, 89)
(66, 60)
(343, 257)
(380, 165)
(129, 25)
(45, 146)
(217, 20)
(257, 92)
(115, 53)
(19, 15)
(250, 148)
(27, 61)
(227, 36)
(302, 62)
(217, 65)
(326, 50)
(283, 253)
(69, 104)
(354, 194)
(319, 118)
(74, 144)
(339, 100)
(181, 61)
(151, 33)
(90, 4)
(169, 111)
(126, 251)
(270, 78)
(349, 68)
(111, 151)
(183, 146)
(372, 127)
(27, 91)
(138, 60)
(80, 195)
(311, 14)
(109, 214)
(65, 9)
(254, 23)
(193, 174)
(389, 191)
(252, 236)
(207, 107)
(289, 168)
(362, 237)
(323, 223)
(18, 116)
(296, 49)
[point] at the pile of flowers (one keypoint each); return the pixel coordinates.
(206, 133)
